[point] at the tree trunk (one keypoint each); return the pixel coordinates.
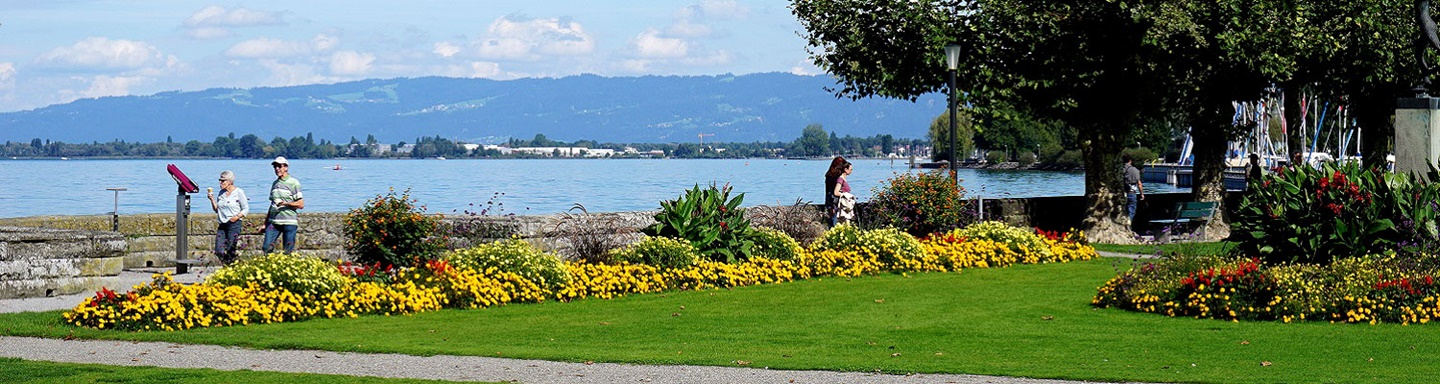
(1106, 221)
(1293, 138)
(1375, 116)
(1209, 133)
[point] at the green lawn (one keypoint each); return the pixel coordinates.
(16, 371)
(1032, 320)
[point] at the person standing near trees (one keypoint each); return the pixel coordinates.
(1253, 174)
(283, 220)
(1134, 189)
(230, 208)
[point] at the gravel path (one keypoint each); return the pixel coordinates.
(452, 368)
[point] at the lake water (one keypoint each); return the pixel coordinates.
(77, 187)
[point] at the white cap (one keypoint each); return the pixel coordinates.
(280, 160)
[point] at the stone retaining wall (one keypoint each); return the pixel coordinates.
(47, 255)
(149, 239)
(42, 262)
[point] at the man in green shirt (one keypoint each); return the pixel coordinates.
(283, 220)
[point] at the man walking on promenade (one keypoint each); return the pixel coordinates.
(285, 199)
(1134, 189)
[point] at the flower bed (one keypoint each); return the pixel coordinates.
(1367, 289)
(165, 305)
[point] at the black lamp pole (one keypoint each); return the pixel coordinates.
(952, 59)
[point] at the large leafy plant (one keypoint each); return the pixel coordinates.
(391, 229)
(919, 203)
(710, 220)
(1315, 215)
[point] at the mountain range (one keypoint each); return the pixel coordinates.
(648, 109)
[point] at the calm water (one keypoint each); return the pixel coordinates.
(77, 187)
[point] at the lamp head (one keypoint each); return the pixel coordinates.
(952, 56)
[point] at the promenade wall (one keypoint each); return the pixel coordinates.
(50, 255)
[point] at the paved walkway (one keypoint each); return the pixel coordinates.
(451, 368)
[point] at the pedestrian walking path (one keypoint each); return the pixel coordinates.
(451, 368)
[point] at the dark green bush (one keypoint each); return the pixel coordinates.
(1071, 159)
(1051, 152)
(996, 157)
(1140, 155)
(1027, 158)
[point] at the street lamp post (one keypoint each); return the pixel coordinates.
(952, 60)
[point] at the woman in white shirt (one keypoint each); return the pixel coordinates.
(230, 208)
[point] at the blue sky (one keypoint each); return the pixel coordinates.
(57, 51)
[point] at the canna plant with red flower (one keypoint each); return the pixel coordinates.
(1315, 215)
(710, 220)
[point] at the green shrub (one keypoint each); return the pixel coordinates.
(996, 157)
(710, 220)
(1071, 159)
(888, 245)
(1019, 239)
(1027, 158)
(774, 244)
(1308, 215)
(919, 203)
(662, 252)
(302, 275)
(1140, 155)
(515, 256)
(391, 229)
(1051, 152)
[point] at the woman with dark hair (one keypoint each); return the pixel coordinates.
(837, 191)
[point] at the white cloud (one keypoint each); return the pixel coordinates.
(218, 16)
(215, 21)
(268, 48)
(516, 38)
(112, 85)
(484, 69)
(719, 9)
(287, 74)
(324, 42)
(686, 28)
(445, 49)
(7, 75)
(103, 53)
(651, 45)
(351, 63)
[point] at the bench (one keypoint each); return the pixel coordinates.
(1184, 215)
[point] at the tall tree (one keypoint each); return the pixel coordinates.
(940, 136)
(813, 141)
(1077, 61)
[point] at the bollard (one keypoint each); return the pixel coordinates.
(115, 214)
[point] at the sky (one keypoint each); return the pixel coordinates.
(58, 51)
